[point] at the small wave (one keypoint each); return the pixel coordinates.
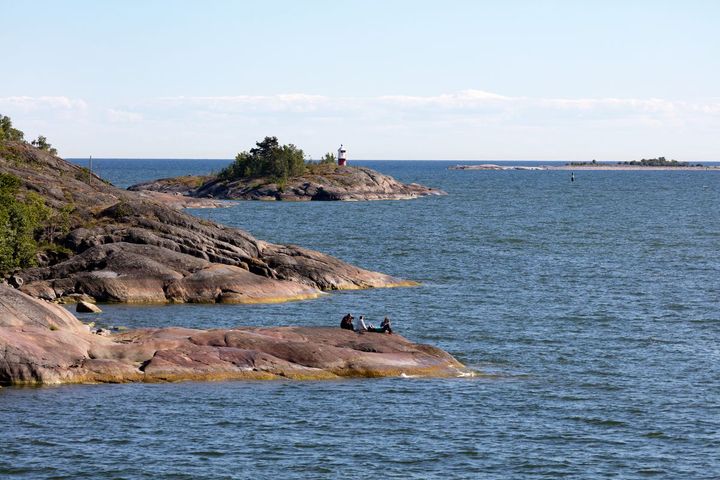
(208, 453)
(600, 421)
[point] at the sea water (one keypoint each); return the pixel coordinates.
(590, 309)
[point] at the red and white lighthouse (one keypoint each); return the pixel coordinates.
(342, 156)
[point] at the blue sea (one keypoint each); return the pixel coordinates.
(590, 309)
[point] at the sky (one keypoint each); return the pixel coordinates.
(393, 79)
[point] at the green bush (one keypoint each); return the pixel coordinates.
(268, 159)
(42, 143)
(19, 222)
(328, 158)
(7, 132)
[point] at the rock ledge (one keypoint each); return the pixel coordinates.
(42, 343)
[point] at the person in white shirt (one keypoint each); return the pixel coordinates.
(361, 327)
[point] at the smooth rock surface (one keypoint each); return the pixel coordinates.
(42, 343)
(87, 307)
(347, 183)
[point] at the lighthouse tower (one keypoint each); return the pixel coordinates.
(342, 156)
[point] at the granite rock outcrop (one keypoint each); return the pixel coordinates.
(42, 343)
(121, 246)
(346, 183)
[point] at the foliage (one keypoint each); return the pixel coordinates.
(27, 223)
(328, 158)
(267, 159)
(658, 162)
(42, 143)
(7, 132)
(121, 210)
(19, 221)
(645, 162)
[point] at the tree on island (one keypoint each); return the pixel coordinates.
(658, 162)
(328, 158)
(267, 159)
(42, 143)
(7, 132)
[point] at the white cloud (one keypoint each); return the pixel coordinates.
(27, 104)
(466, 102)
(123, 116)
(463, 124)
(293, 102)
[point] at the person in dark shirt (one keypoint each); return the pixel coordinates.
(346, 322)
(384, 327)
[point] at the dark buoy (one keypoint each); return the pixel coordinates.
(572, 176)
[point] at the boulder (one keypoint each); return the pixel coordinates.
(87, 307)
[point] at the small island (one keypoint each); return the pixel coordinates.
(660, 163)
(271, 171)
(655, 163)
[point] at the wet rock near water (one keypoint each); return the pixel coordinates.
(87, 307)
(42, 343)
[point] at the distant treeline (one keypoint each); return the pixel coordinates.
(645, 162)
(660, 162)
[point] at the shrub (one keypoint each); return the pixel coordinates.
(19, 221)
(267, 159)
(42, 143)
(7, 132)
(328, 158)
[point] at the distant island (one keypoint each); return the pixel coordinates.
(660, 163)
(271, 171)
(645, 162)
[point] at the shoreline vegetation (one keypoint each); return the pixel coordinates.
(274, 172)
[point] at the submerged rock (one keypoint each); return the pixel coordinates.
(42, 343)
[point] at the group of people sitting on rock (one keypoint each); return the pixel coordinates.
(347, 324)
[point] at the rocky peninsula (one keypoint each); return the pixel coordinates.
(343, 183)
(101, 243)
(42, 343)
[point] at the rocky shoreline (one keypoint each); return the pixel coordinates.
(41, 343)
(346, 183)
(127, 247)
(112, 245)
